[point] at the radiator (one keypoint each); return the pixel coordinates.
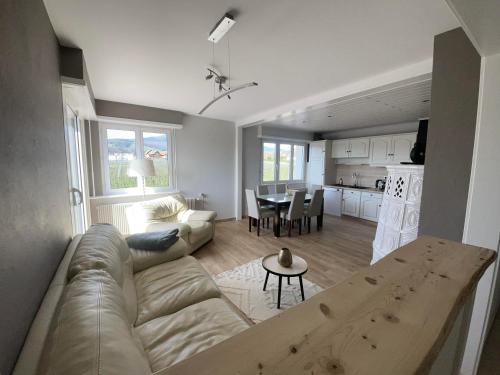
(115, 213)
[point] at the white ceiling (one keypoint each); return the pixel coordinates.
(153, 52)
(481, 19)
(397, 103)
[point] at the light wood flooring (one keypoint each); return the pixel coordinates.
(340, 248)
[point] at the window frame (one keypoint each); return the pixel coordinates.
(277, 161)
(139, 154)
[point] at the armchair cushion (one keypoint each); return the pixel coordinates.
(197, 215)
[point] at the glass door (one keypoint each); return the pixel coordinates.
(75, 170)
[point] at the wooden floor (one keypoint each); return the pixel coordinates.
(342, 247)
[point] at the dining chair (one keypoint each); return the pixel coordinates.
(280, 188)
(314, 209)
(255, 211)
(295, 211)
(263, 189)
(297, 186)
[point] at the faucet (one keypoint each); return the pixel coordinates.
(355, 177)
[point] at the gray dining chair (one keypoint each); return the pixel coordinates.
(255, 211)
(280, 188)
(314, 209)
(295, 211)
(300, 186)
(263, 189)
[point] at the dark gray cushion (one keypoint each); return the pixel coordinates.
(153, 241)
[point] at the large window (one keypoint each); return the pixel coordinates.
(282, 162)
(120, 144)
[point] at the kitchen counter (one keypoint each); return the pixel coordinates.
(363, 188)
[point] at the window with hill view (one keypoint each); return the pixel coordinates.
(123, 144)
(282, 162)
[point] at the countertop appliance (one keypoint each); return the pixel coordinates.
(380, 184)
(333, 200)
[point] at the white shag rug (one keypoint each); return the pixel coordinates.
(243, 286)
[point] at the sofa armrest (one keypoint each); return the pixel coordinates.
(142, 259)
(197, 215)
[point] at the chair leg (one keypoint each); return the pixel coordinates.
(267, 223)
(308, 225)
(300, 227)
(317, 223)
(249, 224)
(258, 227)
(290, 228)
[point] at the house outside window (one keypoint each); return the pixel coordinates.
(120, 144)
(282, 162)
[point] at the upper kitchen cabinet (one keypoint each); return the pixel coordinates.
(391, 149)
(351, 148)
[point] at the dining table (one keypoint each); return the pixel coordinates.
(280, 201)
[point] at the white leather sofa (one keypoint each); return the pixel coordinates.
(115, 310)
(195, 227)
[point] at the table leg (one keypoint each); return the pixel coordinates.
(265, 282)
(279, 291)
(277, 220)
(301, 288)
(288, 280)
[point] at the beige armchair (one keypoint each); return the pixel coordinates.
(195, 227)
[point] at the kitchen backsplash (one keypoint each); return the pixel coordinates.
(367, 175)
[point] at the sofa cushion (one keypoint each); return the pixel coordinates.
(173, 338)
(102, 247)
(143, 259)
(90, 332)
(169, 287)
(194, 215)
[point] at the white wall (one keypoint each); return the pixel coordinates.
(482, 226)
(206, 162)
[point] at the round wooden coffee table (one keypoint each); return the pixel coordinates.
(297, 269)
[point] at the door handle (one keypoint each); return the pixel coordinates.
(76, 193)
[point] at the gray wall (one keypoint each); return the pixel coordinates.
(205, 162)
(35, 224)
(405, 127)
(450, 139)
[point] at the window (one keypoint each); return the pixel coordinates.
(282, 162)
(120, 144)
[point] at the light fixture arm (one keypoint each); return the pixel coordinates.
(237, 88)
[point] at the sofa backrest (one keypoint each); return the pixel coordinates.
(103, 247)
(90, 331)
(161, 210)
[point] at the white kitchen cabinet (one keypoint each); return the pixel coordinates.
(333, 201)
(340, 149)
(370, 205)
(351, 202)
(391, 149)
(401, 147)
(319, 168)
(351, 148)
(359, 147)
(380, 150)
